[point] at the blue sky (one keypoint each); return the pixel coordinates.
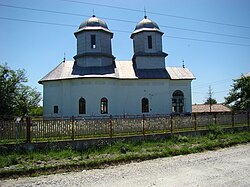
(38, 47)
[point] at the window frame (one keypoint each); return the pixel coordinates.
(82, 106)
(104, 105)
(144, 105)
(150, 42)
(55, 109)
(93, 41)
(178, 101)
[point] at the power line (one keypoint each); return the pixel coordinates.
(122, 20)
(160, 14)
(208, 41)
(215, 82)
(39, 22)
(223, 91)
(69, 25)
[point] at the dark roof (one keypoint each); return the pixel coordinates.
(77, 70)
(203, 108)
(119, 70)
(152, 73)
(93, 22)
(146, 23)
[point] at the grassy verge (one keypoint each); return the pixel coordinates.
(52, 161)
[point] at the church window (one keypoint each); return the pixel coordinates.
(82, 106)
(56, 109)
(178, 102)
(93, 41)
(104, 106)
(144, 105)
(150, 42)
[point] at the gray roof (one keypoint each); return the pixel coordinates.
(93, 22)
(146, 23)
(120, 70)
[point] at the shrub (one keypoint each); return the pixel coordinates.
(179, 138)
(215, 131)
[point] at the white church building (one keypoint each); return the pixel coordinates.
(96, 84)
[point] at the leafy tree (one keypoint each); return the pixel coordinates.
(16, 98)
(239, 95)
(36, 111)
(211, 101)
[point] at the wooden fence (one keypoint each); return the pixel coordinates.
(53, 129)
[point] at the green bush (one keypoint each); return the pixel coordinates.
(215, 131)
(179, 139)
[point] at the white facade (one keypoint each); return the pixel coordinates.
(97, 85)
(124, 96)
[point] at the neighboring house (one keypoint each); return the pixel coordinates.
(95, 84)
(205, 108)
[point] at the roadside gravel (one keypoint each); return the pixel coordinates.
(224, 167)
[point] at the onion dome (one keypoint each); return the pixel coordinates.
(93, 22)
(146, 25)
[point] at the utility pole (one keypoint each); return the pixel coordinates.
(210, 93)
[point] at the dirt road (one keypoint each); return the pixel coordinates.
(224, 167)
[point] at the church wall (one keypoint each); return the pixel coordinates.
(124, 96)
(52, 96)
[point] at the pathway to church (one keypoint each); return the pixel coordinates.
(224, 167)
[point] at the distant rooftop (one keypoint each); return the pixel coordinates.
(205, 108)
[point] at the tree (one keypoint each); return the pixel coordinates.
(16, 98)
(210, 100)
(239, 95)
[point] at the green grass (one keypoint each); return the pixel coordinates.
(50, 161)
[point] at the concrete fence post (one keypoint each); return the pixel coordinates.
(143, 124)
(171, 123)
(195, 121)
(215, 118)
(233, 119)
(28, 129)
(73, 127)
(110, 127)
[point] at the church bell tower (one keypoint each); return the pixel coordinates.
(94, 45)
(147, 43)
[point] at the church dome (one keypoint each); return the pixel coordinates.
(146, 23)
(93, 22)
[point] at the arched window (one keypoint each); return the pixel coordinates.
(144, 105)
(82, 106)
(178, 102)
(150, 42)
(104, 105)
(93, 41)
(56, 109)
